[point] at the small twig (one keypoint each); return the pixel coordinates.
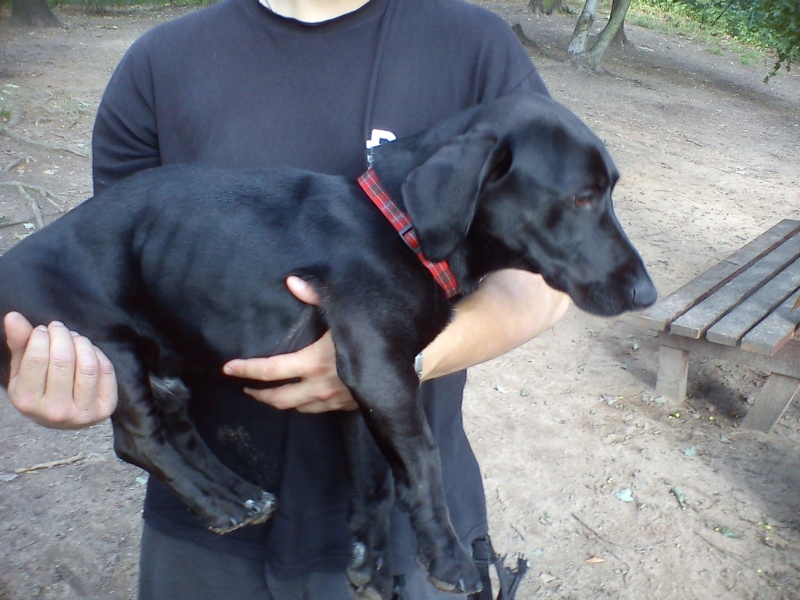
(635, 548)
(26, 545)
(519, 533)
(53, 463)
(735, 557)
(37, 210)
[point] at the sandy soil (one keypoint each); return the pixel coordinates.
(580, 460)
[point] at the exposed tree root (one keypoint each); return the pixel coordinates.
(14, 118)
(14, 163)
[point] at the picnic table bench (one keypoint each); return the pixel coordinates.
(740, 311)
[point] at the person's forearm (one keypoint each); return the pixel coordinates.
(508, 309)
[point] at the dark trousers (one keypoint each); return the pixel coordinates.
(175, 569)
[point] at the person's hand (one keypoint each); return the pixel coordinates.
(318, 388)
(58, 378)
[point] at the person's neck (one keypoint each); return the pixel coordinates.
(313, 11)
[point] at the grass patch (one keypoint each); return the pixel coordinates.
(703, 22)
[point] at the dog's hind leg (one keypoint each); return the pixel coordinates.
(141, 438)
(172, 400)
(371, 502)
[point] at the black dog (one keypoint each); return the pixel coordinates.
(182, 268)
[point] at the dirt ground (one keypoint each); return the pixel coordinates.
(582, 462)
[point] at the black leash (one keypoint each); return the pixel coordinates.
(509, 577)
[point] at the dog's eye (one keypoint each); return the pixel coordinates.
(583, 199)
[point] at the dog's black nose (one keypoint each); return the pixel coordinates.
(643, 292)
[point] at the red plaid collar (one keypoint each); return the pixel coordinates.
(441, 272)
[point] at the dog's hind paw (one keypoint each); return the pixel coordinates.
(465, 586)
(455, 578)
(259, 511)
(369, 575)
(263, 506)
(249, 512)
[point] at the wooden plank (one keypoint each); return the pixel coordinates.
(664, 312)
(769, 336)
(772, 401)
(695, 321)
(733, 326)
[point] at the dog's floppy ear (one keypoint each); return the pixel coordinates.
(441, 194)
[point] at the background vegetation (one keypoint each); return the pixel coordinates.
(772, 25)
(769, 24)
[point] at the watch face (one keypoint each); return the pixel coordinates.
(418, 364)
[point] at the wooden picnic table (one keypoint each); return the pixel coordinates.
(740, 311)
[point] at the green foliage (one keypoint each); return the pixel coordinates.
(782, 23)
(770, 24)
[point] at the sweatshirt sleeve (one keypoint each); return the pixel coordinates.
(125, 136)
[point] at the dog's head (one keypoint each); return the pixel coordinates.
(525, 184)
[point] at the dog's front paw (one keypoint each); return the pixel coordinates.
(369, 574)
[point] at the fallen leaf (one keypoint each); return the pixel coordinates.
(595, 560)
(625, 495)
(609, 399)
(729, 533)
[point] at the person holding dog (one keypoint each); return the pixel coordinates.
(310, 84)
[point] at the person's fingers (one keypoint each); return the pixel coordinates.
(302, 290)
(314, 395)
(87, 375)
(18, 331)
(313, 382)
(29, 376)
(107, 394)
(61, 366)
(275, 368)
(321, 406)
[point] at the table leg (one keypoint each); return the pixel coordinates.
(673, 372)
(772, 401)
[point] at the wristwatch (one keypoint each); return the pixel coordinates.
(418, 365)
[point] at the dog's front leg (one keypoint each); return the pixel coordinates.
(371, 502)
(386, 393)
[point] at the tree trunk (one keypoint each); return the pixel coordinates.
(621, 38)
(618, 11)
(580, 37)
(32, 13)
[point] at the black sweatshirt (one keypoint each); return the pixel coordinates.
(234, 85)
